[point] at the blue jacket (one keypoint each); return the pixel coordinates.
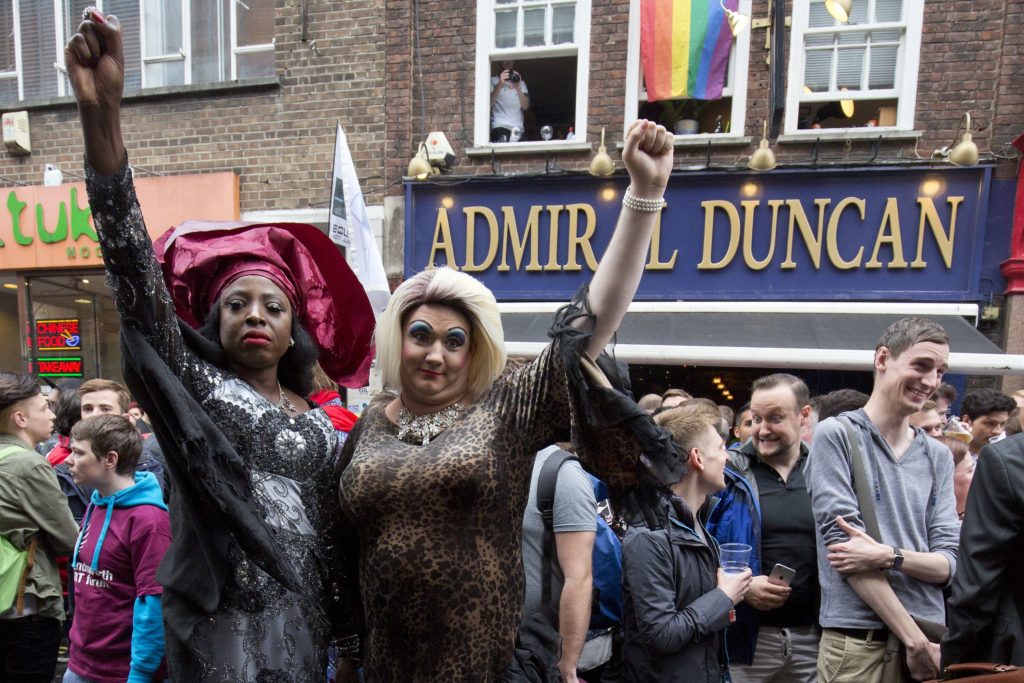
(735, 517)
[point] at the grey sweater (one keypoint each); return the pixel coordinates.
(914, 504)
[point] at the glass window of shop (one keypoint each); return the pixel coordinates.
(66, 324)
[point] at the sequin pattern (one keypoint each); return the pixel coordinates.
(260, 631)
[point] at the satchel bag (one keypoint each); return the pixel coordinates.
(981, 672)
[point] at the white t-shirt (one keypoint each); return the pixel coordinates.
(506, 111)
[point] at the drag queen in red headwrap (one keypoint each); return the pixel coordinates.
(254, 581)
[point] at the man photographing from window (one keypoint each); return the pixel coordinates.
(509, 99)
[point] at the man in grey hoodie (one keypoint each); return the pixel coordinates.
(910, 478)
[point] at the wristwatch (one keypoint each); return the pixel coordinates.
(897, 560)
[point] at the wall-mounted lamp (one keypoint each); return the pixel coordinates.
(602, 164)
(419, 167)
(839, 9)
(737, 22)
(763, 158)
(965, 153)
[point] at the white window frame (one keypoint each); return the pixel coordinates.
(183, 54)
(739, 67)
(907, 64)
(60, 40)
(17, 73)
(237, 49)
(487, 53)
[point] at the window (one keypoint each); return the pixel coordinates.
(166, 43)
(547, 43)
(724, 117)
(860, 74)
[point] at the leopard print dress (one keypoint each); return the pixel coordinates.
(440, 527)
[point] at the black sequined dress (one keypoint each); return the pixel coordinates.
(251, 485)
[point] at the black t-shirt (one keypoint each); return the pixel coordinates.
(787, 537)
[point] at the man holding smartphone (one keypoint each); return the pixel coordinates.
(766, 505)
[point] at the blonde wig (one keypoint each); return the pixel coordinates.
(466, 294)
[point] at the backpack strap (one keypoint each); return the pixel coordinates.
(10, 450)
(19, 600)
(546, 481)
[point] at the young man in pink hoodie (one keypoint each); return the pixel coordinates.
(117, 633)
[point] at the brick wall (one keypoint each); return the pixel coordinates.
(363, 72)
(279, 140)
(970, 59)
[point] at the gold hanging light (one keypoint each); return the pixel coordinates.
(965, 153)
(602, 164)
(419, 167)
(763, 158)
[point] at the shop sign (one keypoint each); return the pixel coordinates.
(66, 366)
(52, 227)
(58, 335)
(824, 234)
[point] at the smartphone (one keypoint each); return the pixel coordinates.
(781, 575)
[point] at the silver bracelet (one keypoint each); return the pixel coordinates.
(642, 204)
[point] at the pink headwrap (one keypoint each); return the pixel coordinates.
(200, 258)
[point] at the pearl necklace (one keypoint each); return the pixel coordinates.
(420, 429)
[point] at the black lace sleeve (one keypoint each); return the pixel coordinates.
(615, 438)
(133, 274)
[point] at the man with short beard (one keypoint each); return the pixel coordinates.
(870, 589)
(765, 505)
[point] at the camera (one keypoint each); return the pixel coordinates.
(514, 77)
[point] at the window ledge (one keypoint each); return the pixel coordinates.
(507, 148)
(841, 134)
(265, 83)
(704, 139)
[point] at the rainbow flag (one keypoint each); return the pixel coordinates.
(684, 47)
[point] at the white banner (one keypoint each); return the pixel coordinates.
(350, 227)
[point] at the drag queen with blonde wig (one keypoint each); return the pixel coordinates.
(435, 476)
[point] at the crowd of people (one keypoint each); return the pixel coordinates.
(484, 519)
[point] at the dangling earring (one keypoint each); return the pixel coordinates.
(291, 342)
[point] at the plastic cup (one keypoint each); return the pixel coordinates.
(735, 557)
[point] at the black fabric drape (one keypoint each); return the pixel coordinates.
(211, 501)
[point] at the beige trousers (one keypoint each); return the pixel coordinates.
(842, 659)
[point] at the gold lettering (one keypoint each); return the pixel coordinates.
(709, 232)
(552, 264)
(442, 229)
(831, 235)
(653, 263)
(893, 237)
(748, 233)
(797, 218)
(511, 232)
(943, 239)
(492, 244)
(581, 242)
